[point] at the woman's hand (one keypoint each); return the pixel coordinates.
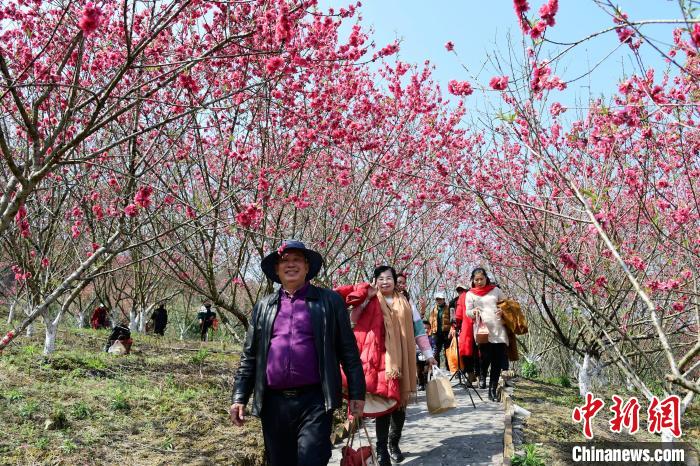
(431, 362)
(372, 290)
(452, 332)
(476, 312)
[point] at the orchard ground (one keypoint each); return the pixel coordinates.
(166, 403)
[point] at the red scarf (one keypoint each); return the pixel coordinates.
(483, 291)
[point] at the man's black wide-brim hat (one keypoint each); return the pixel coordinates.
(268, 263)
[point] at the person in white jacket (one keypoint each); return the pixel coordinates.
(482, 304)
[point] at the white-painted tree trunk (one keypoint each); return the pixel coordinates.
(50, 337)
(586, 370)
(143, 317)
(30, 330)
(82, 319)
(11, 315)
(51, 331)
(133, 320)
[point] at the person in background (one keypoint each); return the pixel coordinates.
(122, 333)
(401, 286)
(206, 317)
(297, 339)
(464, 327)
(481, 302)
(440, 325)
(99, 318)
(160, 320)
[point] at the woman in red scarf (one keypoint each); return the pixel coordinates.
(467, 346)
(482, 303)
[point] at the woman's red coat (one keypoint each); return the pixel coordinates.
(369, 333)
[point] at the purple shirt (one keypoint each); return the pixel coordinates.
(292, 360)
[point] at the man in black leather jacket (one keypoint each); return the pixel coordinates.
(296, 340)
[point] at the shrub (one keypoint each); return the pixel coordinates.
(28, 409)
(530, 370)
(81, 410)
(531, 457)
(120, 403)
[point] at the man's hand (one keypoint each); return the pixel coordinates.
(237, 412)
(357, 407)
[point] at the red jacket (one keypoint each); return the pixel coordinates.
(369, 333)
(466, 335)
(99, 318)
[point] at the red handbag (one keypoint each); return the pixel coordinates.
(359, 457)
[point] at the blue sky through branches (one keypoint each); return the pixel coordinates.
(481, 30)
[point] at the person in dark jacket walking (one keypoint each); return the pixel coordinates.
(206, 317)
(160, 319)
(297, 337)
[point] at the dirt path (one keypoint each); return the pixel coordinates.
(460, 437)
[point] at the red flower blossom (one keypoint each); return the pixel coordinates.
(548, 11)
(274, 64)
(459, 88)
(695, 34)
(90, 20)
(449, 46)
(131, 210)
(499, 83)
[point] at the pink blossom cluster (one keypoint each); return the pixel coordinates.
(499, 83)
(547, 14)
(625, 33)
(188, 83)
(131, 210)
(387, 50)
(459, 88)
(695, 35)
(90, 19)
(143, 197)
(542, 79)
(274, 64)
(283, 28)
(22, 221)
(20, 275)
(249, 216)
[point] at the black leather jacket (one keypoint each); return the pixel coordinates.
(335, 343)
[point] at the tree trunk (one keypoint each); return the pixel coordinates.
(50, 337)
(586, 370)
(11, 315)
(133, 320)
(82, 321)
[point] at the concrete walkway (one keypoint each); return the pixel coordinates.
(460, 437)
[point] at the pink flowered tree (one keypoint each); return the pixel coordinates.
(598, 209)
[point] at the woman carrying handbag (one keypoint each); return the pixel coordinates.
(489, 332)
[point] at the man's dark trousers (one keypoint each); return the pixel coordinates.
(296, 427)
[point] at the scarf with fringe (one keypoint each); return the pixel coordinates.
(400, 343)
